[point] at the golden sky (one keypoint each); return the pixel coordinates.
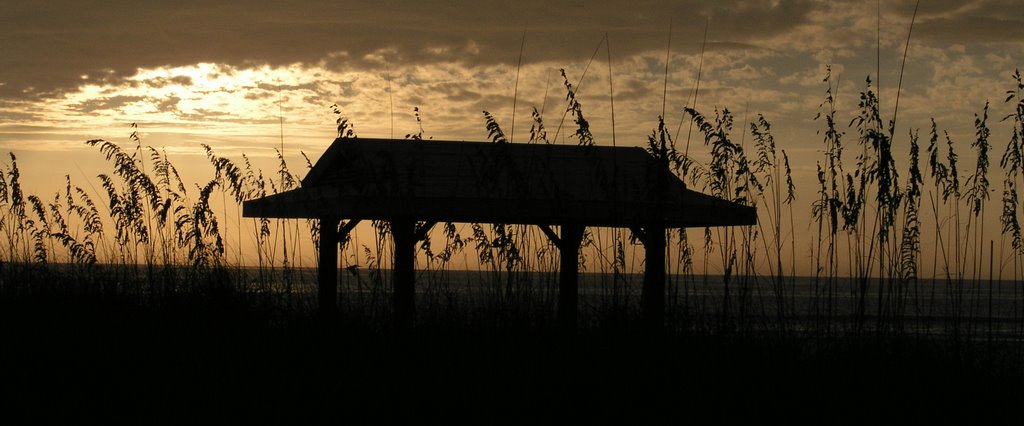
(239, 75)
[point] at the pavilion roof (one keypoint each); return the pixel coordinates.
(481, 182)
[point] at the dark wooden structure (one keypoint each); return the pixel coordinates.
(415, 184)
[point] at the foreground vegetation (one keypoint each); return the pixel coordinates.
(221, 355)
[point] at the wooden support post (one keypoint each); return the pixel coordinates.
(403, 274)
(569, 276)
(568, 273)
(327, 271)
(652, 296)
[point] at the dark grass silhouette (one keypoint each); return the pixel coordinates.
(212, 358)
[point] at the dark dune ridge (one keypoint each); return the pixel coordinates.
(225, 355)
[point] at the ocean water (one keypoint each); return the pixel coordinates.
(929, 306)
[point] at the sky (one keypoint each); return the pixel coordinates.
(251, 76)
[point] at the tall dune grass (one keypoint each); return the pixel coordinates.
(152, 236)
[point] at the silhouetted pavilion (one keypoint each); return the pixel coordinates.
(415, 184)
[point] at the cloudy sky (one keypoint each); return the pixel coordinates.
(239, 75)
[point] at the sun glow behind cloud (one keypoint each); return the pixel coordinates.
(250, 109)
